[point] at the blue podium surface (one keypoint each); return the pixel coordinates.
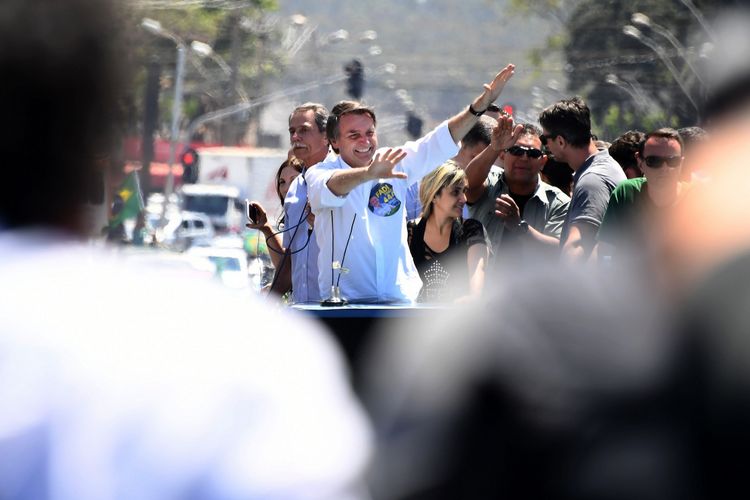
(367, 310)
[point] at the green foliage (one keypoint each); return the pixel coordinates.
(615, 121)
(594, 46)
(203, 77)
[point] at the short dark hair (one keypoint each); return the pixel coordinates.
(62, 87)
(693, 135)
(666, 133)
(341, 109)
(570, 118)
(321, 114)
(623, 148)
(530, 129)
(480, 133)
(558, 174)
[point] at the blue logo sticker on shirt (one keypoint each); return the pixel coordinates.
(383, 201)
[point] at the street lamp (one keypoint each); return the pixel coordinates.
(634, 32)
(205, 50)
(699, 17)
(640, 100)
(154, 27)
(642, 19)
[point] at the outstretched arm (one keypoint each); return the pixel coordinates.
(381, 167)
(460, 124)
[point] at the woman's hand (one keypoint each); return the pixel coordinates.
(261, 218)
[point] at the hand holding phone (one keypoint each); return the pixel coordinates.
(252, 212)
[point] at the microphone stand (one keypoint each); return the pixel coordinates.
(336, 300)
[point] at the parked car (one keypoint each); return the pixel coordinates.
(188, 229)
(229, 264)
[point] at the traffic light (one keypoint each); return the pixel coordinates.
(355, 83)
(414, 125)
(189, 162)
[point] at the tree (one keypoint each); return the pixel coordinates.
(597, 53)
(235, 31)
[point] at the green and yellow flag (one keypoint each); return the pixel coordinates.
(132, 200)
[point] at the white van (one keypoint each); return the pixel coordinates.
(219, 202)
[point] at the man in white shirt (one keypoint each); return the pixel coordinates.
(307, 135)
(348, 196)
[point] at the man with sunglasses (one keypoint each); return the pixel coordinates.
(522, 214)
(567, 135)
(636, 202)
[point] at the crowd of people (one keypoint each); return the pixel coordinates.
(478, 196)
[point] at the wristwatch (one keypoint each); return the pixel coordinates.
(475, 112)
(523, 227)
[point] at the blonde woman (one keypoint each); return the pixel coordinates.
(450, 253)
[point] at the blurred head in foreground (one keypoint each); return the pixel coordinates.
(61, 89)
(592, 386)
(119, 381)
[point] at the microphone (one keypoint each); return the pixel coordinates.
(336, 300)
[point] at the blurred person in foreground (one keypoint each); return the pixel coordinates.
(450, 252)
(117, 382)
(612, 390)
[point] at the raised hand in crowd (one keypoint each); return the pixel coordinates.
(493, 89)
(505, 135)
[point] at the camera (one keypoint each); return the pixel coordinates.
(252, 212)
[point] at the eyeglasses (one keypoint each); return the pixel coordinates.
(532, 153)
(658, 161)
(545, 137)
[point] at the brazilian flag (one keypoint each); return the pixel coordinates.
(129, 198)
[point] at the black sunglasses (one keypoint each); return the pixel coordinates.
(532, 153)
(545, 137)
(658, 161)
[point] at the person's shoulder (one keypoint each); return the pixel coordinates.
(606, 165)
(553, 192)
(330, 162)
(471, 226)
(630, 186)
(628, 190)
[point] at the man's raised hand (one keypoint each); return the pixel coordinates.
(505, 135)
(493, 89)
(382, 164)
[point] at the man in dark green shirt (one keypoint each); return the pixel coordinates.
(636, 204)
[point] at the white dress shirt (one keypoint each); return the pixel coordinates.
(378, 265)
